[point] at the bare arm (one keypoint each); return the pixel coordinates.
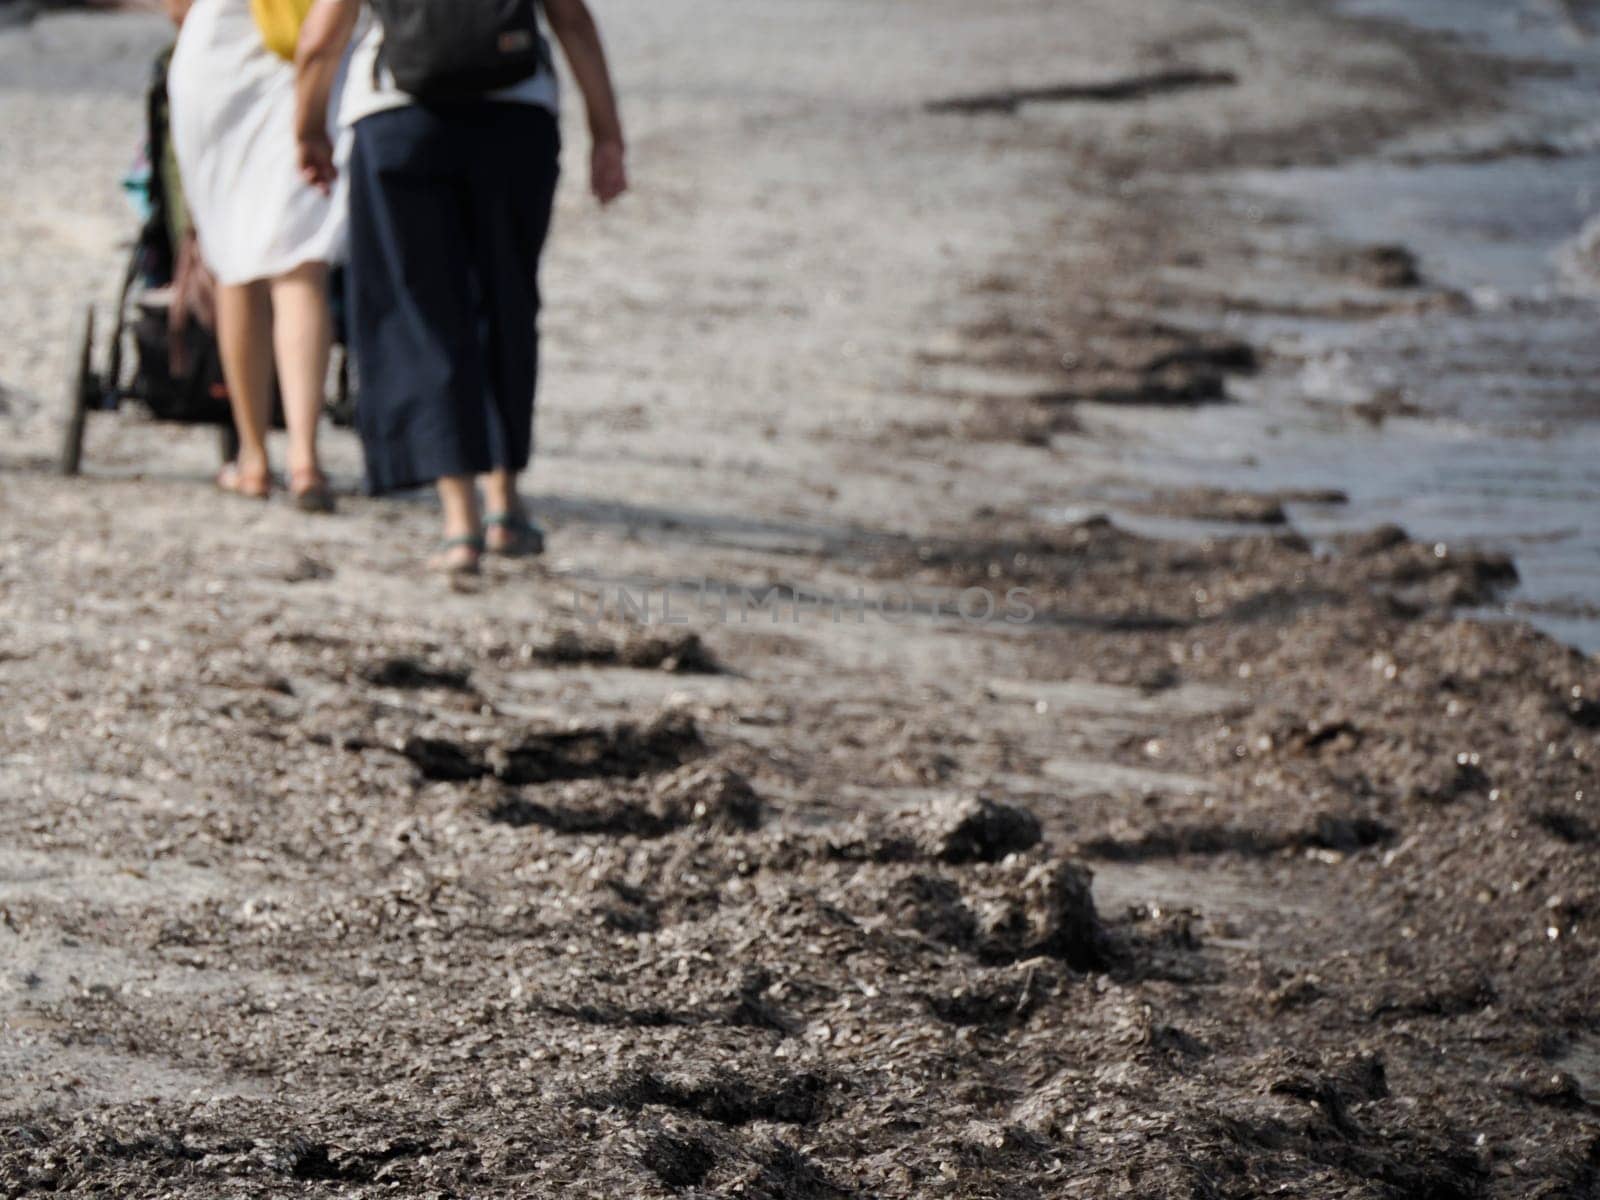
(323, 38)
(574, 27)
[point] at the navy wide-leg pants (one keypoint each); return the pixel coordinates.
(449, 209)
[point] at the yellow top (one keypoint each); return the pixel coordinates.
(279, 22)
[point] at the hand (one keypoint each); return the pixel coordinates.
(608, 176)
(316, 161)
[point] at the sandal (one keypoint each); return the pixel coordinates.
(310, 491)
(236, 481)
(449, 562)
(517, 537)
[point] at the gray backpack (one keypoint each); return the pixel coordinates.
(443, 51)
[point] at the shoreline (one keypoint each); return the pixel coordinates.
(1289, 335)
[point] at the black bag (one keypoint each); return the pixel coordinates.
(448, 50)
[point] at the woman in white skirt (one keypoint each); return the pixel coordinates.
(266, 235)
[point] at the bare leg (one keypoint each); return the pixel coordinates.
(302, 336)
(463, 527)
(244, 335)
(500, 493)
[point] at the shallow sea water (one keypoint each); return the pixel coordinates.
(1499, 446)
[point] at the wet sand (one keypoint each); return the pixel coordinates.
(1424, 318)
(1248, 864)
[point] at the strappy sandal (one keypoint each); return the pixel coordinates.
(309, 490)
(236, 481)
(519, 537)
(448, 562)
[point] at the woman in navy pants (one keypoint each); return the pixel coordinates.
(449, 207)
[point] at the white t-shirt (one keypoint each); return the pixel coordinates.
(364, 94)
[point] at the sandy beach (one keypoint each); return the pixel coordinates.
(989, 724)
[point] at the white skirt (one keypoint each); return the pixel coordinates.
(232, 105)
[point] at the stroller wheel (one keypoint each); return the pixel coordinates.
(83, 392)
